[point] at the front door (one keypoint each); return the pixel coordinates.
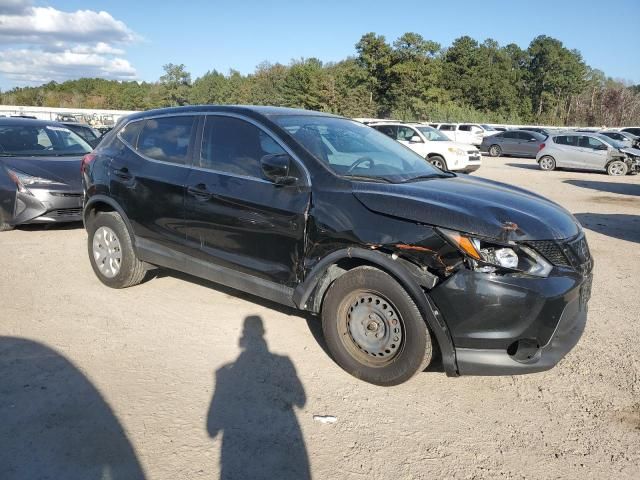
(235, 217)
(591, 153)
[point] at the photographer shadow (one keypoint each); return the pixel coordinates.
(253, 409)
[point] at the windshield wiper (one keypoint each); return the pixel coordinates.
(368, 179)
(428, 177)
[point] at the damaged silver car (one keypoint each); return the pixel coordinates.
(588, 151)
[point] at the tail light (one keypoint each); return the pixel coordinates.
(542, 145)
(86, 160)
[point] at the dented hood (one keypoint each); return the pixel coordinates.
(471, 205)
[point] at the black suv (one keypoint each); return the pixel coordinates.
(404, 262)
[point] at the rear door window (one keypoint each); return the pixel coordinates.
(465, 128)
(511, 135)
(131, 131)
(167, 138)
(447, 127)
(388, 130)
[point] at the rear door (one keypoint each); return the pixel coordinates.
(237, 218)
(148, 178)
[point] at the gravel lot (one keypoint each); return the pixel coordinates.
(119, 384)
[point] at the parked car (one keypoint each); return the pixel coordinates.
(588, 151)
(39, 172)
(462, 133)
(88, 133)
(540, 130)
(431, 144)
(327, 215)
(521, 143)
(625, 138)
(632, 130)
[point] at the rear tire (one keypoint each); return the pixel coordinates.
(495, 150)
(373, 328)
(617, 168)
(111, 252)
(438, 162)
(547, 163)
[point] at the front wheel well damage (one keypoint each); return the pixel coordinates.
(422, 279)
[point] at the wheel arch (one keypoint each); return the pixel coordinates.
(309, 295)
(102, 203)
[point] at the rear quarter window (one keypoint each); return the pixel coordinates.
(131, 131)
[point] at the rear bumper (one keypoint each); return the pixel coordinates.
(502, 325)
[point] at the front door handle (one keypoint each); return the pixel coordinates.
(199, 191)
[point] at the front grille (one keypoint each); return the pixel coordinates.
(550, 250)
(65, 212)
(574, 253)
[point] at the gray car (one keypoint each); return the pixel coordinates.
(520, 143)
(626, 138)
(588, 151)
(40, 178)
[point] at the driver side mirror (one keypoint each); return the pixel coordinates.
(276, 168)
(415, 139)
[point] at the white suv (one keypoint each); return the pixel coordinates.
(433, 145)
(470, 133)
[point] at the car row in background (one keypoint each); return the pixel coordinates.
(39, 172)
(433, 145)
(520, 143)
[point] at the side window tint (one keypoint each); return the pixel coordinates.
(465, 128)
(388, 130)
(167, 138)
(406, 133)
(446, 127)
(510, 134)
(234, 146)
(131, 131)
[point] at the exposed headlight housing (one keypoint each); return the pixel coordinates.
(490, 256)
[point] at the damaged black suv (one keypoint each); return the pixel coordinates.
(405, 263)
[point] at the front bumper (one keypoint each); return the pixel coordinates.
(509, 324)
(47, 206)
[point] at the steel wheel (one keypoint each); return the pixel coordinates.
(107, 252)
(372, 330)
(547, 163)
(495, 151)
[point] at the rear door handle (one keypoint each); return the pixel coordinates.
(199, 191)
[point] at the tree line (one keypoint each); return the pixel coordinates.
(409, 79)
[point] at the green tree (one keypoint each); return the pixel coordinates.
(175, 84)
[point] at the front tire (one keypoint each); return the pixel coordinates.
(438, 162)
(373, 328)
(111, 252)
(547, 163)
(617, 168)
(5, 227)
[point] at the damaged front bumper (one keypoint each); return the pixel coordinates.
(514, 324)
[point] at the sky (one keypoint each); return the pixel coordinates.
(43, 40)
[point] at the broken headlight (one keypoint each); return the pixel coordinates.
(493, 256)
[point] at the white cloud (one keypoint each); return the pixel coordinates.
(39, 44)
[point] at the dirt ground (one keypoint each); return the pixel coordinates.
(146, 382)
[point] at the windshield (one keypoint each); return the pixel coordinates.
(433, 135)
(40, 141)
(352, 149)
